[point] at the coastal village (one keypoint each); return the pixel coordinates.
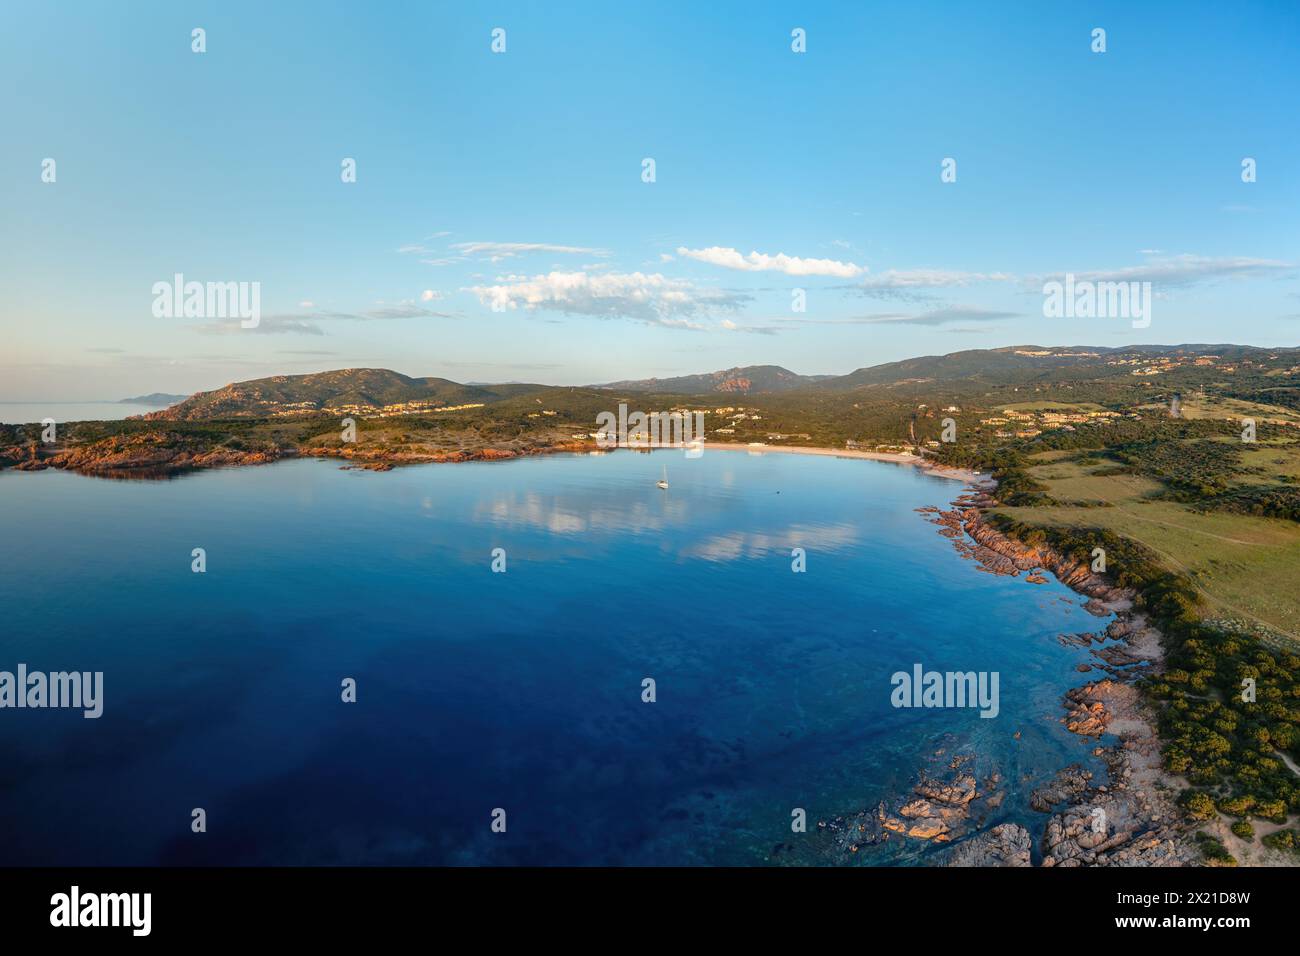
(1012, 423)
(398, 409)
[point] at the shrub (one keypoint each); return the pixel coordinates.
(1213, 850)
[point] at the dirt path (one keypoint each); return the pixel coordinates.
(1290, 764)
(1216, 601)
(1180, 527)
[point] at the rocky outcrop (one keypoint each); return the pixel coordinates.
(143, 453)
(383, 459)
(1074, 574)
(939, 809)
(957, 792)
(1129, 819)
(16, 456)
(1091, 707)
(1068, 784)
(163, 453)
(974, 539)
(1119, 825)
(1007, 844)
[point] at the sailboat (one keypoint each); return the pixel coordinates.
(663, 482)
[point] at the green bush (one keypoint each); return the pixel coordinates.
(1213, 850)
(1283, 840)
(1198, 804)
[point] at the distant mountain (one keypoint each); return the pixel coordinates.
(1018, 364)
(1012, 365)
(744, 380)
(158, 399)
(372, 391)
(352, 389)
(992, 365)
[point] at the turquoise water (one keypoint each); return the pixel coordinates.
(519, 690)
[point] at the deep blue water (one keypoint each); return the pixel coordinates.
(519, 690)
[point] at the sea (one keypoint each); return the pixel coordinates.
(24, 413)
(540, 661)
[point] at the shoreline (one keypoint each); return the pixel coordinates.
(1136, 788)
(985, 482)
(148, 458)
(1123, 815)
(1144, 826)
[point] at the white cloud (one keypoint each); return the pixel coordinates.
(753, 329)
(688, 324)
(942, 315)
(437, 258)
(497, 251)
(929, 279)
(307, 324)
(405, 309)
(490, 251)
(761, 262)
(1183, 271)
(652, 298)
(267, 325)
(428, 295)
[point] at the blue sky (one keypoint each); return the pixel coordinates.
(515, 178)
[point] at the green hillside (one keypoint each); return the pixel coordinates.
(743, 380)
(346, 389)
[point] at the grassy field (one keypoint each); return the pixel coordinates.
(1195, 407)
(1244, 566)
(1274, 461)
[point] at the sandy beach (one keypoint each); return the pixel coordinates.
(898, 458)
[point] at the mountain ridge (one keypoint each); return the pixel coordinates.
(153, 398)
(741, 379)
(384, 391)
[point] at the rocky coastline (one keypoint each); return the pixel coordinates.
(162, 454)
(146, 454)
(1129, 818)
(1139, 823)
(1126, 818)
